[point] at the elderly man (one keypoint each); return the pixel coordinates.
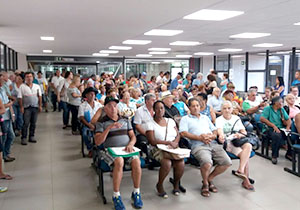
(143, 115)
(202, 135)
(170, 110)
(276, 118)
(55, 81)
(114, 131)
(215, 101)
(86, 112)
(174, 82)
(295, 91)
(199, 80)
(181, 106)
(143, 80)
(30, 101)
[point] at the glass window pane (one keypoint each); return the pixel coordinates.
(1, 56)
(257, 61)
(222, 63)
(257, 79)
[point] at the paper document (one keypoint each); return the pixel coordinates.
(120, 151)
(179, 151)
(285, 131)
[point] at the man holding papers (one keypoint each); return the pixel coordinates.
(114, 131)
(202, 135)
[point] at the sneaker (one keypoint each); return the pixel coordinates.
(274, 161)
(23, 141)
(13, 158)
(3, 189)
(137, 200)
(8, 159)
(32, 140)
(76, 132)
(118, 204)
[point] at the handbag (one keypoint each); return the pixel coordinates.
(251, 138)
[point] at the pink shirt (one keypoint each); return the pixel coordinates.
(294, 111)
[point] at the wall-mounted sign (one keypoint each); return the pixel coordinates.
(273, 72)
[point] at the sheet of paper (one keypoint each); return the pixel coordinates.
(180, 151)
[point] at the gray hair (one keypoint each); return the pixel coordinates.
(148, 96)
(199, 75)
(226, 103)
(251, 91)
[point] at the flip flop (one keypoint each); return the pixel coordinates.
(250, 187)
(241, 175)
(176, 192)
(162, 194)
(6, 177)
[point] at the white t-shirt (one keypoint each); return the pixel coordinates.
(142, 117)
(30, 95)
(226, 125)
(160, 131)
(158, 79)
(63, 86)
(86, 107)
(56, 80)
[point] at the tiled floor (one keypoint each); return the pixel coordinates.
(53, 175)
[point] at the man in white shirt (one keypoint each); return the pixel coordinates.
(143, 115)
(54, 84)
(215, 101)
(91, 81)
(295, 91)
(86, 112)
(30, 100)
(44, 88)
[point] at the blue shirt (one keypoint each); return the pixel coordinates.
(174, 84)
(295, 82)
(196, 126)
(180, 106)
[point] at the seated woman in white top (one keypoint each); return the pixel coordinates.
(125, 107)
(227, 123)
(163, 131)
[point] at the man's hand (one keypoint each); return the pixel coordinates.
(91, 126)
(172, 144)
(221, 139)
(129, 148)
(116, 125)
(40, 108)
(276, 129)
(22, 110)
(205, 138)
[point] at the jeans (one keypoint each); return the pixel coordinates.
(54, 102)
(66, 112)
(87, 134)
(18, 117)
(8, 137)
(278, 139)
(74, 111)
(30, 117)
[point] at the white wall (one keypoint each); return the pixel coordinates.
(22, 62)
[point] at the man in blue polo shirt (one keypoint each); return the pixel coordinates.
(202, 135)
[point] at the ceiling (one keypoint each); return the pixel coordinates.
(86, 27)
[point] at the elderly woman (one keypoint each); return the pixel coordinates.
(227, 123)
(163, 130)
(206, 109)
(136, 97)
(199, 80)
(125, 107)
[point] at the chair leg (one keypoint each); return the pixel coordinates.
(101, 186)
(294, 171)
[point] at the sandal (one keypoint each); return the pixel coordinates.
(205, 190)
(162, 194)
(176, 192)
(6, 177)
(212, 187)
(241, 175)
(248, 187)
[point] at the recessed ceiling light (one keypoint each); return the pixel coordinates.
(100, 54)
(47, 51)
(137, 42)
(162, 32)
(185, 43)
(216, 15)
(158, 53)
(47, 38)
(159, 49)
(268, 45)
(184, 56)
(204, 53)
(120, 48)
(155, 62)
(297, 24)
(109, 51)
(144, 55)
(230, 50)
(248, 35)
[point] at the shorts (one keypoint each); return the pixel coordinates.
(232, 149)
(109, 160)
(213, 154)
(44, 99)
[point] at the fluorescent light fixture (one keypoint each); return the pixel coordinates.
(297, 24)
(100, 54)
(137, 42)
(268, 45)
(97, 61)
(204, 53)
(143, 55)
(230, 50)
(185, 43)
(109, 51)
(162, 32)
(248, 35)
(47, 51)
(159, 49)
(283, 52)
(120, 48)
(215, 15)
(155, 62)
(169, 61)
(47, 38)
(184, 56)
(237, 56)
(158, 53)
